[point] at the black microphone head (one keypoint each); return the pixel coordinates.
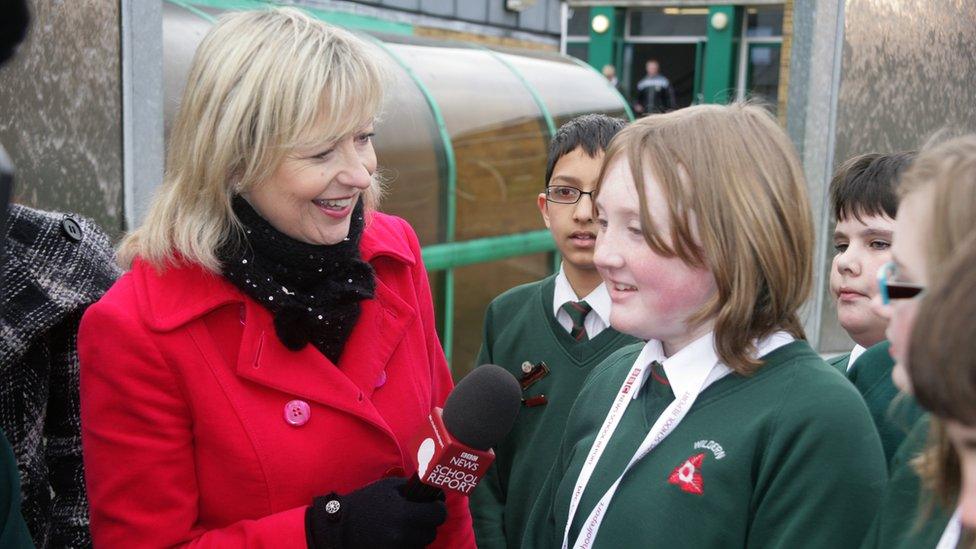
(481, 410)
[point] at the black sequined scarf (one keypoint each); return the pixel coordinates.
(312, 291)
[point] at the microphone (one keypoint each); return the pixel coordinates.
(454, 447)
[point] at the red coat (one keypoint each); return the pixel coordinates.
(184, 386)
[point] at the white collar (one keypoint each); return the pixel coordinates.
(687, 364)
(856, 353)
(598, 299)
(952, 533)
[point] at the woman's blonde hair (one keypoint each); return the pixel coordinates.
(259, 83)
(946, 172)
(738, 206)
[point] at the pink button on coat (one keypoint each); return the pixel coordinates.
(184, 440)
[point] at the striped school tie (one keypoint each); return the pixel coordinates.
(577, 312)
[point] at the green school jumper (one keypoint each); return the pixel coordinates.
(519, 327)
(840, 362)
(785, 458)
(893, 415)
(905, 520)
(13, 529)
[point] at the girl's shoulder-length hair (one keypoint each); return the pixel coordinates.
(941, 361)
(259, 83)
(942, 369)
(946, 171)
(940, 353)
(738, 206)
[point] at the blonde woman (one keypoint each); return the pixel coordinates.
(725, 429)
(256, 377)
(936, 215)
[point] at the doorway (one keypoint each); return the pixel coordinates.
(677, 61)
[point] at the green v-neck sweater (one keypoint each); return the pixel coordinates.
(785, 458)
(840, 362)
(911, 517)
(893, 414)
(520, 327)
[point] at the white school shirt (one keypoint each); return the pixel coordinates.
(699, 355)
(952, 533)
(598, 299)
(856, 353)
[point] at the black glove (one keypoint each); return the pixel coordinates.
(375, 516)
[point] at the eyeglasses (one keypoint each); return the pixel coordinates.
(891, 289)
(564, 194)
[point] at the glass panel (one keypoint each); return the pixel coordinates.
(764, 73)
(437, 284)
(548, 74)
(763, 21)
(411, 159)
(579, 22)
(498, 133)
(668, 21)
(475, 287)
(579, 50)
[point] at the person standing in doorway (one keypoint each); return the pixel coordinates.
(654, 92)
(610, 73)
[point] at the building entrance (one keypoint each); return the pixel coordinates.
(677, 62)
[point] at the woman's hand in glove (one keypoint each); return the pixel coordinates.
(374, 516)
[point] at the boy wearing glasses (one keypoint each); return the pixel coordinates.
(862, 194)
(549, 334)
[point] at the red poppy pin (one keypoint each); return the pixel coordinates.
(687, 476)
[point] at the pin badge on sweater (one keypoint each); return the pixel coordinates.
(531, 374)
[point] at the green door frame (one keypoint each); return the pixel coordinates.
(696, 91)
(718, 75)
(604, 46)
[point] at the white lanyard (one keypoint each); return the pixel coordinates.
(950, 537)
(664, 425)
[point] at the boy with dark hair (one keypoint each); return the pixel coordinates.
(862, 196)
(549, 334)
(864, 203)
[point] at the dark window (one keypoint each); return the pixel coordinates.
(579, 22)
(668, 21)
(764, 21)
(764, 73)
(579, 50)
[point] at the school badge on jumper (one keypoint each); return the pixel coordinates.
(687, 476)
